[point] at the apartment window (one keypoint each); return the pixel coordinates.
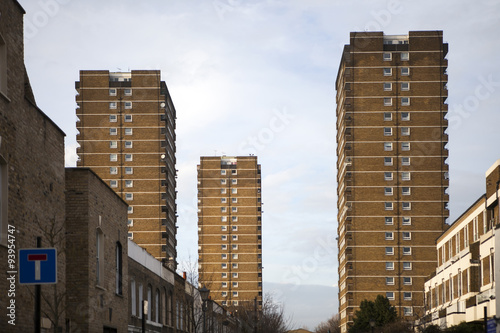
(388, 206)
(406, 251)
(387, 175)
(127, 92)
(113, 144)
(405, 131)
(387, 131)
(235, 265)
(130, 210)
(389, 266)
(130, 235)
(224, 247)
(223, 172)
(234, 181)
(223, 200)
(129, 170)
(406, 191)
(407, 281)
(389, 250)
(406, 220)
(224, 237)
(128, 105)
(234, 218)
(406, 266)
(129, 196)
(235, 294)
(387, 101)
(408, 311)
(389, 220)
(129, 183)
(128, 131)
(390, 295)
(387, 71)
(387, 116)
(235, 237)
(405, 146)
(387, 56)
(113, 183)
(112, 92)
(224, 256)
(224, 275)
(389, 235)
(387, 161)
(405, 175)
(223, 218)
(113, 170)
(234, 190)
(113, 131)
(130, 222)
(235, 247)
(405, 161)
(128, 144)
(406, 235)
(388, 191)
(223, 209)
(387, 146)
(405, 101)
(234, 209)
(112, 118)
(224, 284)
(112, 105)
(234, 200)
(223, 191)
(405, 116)
(224, 266)
(405, 71)
(387, 86)
(406, 205)
(223, 181)
(404, 56)
(405, 86)
(128, 158)
(235, 256)
(235, 284)
(224, 294)
(113, 157)
(234, 172)
(128, 118)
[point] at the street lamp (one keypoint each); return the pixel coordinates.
(372, 323)
(204, 291)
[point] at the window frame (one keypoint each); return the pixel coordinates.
(387, 71)
(387, 101)
(387, 86)
(405, 101)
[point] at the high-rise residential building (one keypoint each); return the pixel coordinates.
(126, 124)
(392, 171)
(229, 229)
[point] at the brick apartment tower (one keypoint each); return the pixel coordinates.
(126, 124)
(229, 229)
(392, 171)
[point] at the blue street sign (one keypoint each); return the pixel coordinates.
(37, 266)
(491, 326)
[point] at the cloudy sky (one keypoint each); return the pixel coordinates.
(257, 77)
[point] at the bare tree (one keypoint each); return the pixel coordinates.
(269, 319)
(332, 325)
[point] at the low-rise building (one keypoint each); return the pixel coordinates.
(463, 286)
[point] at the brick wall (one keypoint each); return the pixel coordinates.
(93, 207)
(32, 148)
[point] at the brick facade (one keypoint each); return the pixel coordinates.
(126, 124)
(392, 171)
(229, 224)
(92, 208)
(32, 183)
